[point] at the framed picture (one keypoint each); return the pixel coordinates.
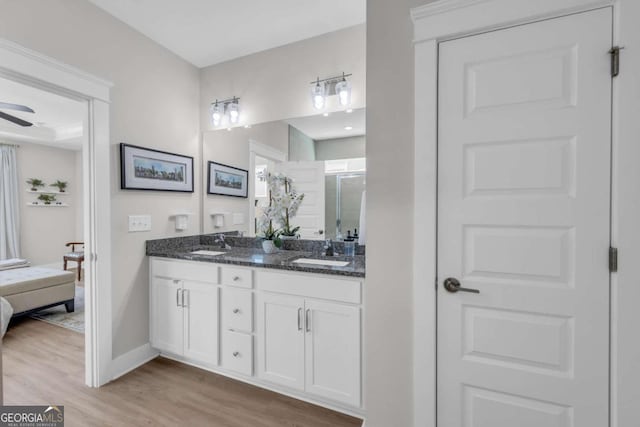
(227, 180)
(146, 169)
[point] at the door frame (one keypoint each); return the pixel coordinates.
(267, 152)
(448, 19)
(35, 69)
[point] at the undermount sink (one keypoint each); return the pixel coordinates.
(327, 262)
(208, 253)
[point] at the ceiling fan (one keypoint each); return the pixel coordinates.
(14, 119)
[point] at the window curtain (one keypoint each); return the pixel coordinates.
(9, 199)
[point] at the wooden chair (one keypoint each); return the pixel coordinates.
(76, 256)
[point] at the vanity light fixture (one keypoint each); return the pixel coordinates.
(228, 108)
(343, 90)
(337, 85)
(318, 95)
(233, 108)
(217, 111)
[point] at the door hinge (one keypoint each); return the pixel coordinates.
(615, 60)
(613, 260)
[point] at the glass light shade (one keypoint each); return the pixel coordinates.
(343, 90)
(318, 96)
(234, 111)
(217, 113)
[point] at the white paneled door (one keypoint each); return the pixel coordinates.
(523, 218)
(308, 178)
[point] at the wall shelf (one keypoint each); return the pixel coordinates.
(51, 205)
(48, 192)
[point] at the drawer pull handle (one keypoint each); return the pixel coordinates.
(236, 354)
(236, 278)
(307, 320)
(300, 319)
(236, 310)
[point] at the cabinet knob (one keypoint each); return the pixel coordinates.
(236, 278)
(236, 354)
(236, 310)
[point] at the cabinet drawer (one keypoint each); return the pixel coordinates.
(312, 286)
(237, 352)
(184, 270)
(237, 309)
(241, 277)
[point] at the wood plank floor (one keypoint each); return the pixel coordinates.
(43, 364)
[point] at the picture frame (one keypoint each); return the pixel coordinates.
(154, 170)
(225, 180)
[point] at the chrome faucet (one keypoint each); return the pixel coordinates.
(328, 248)
(219, 238)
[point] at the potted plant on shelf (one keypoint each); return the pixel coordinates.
(35, 183)
(47, 198)
(60, 185)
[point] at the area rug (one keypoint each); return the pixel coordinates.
(58, 315)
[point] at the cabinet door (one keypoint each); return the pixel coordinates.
(166, 315)
(201, 322)
(333, 351)
(281, 339)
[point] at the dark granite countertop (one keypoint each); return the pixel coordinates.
(256, 257)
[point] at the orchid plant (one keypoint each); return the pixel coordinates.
(284, 202)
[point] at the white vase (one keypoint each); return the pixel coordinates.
(268, 246)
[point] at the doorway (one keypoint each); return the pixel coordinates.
(39, 71)
(524, 195)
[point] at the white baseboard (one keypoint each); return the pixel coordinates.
(132, 360)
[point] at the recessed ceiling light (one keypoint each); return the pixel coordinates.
(350, 110)
(348, 127)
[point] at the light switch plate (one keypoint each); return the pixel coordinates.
(139, 223)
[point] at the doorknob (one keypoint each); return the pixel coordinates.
(452, 285)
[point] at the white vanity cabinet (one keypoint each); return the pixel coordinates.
(309, 334)
(184, 310)
(293, 332)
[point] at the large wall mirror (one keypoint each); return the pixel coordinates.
(323, 154)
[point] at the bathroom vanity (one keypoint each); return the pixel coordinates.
(285, 321)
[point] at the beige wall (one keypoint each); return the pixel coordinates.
(390, 145)
(154, 104)
(301, 146)
(45, 230)
(341, 148)
(274, 84)
(232, 148)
